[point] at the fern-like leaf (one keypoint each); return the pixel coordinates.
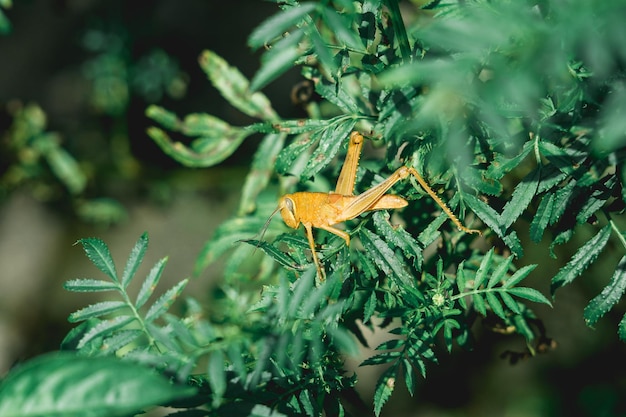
(98, 253)
(610, 295)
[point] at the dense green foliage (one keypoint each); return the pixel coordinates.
(512, 111)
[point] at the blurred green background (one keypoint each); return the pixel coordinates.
(88, 69)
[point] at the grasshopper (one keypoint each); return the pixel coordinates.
(325, 210)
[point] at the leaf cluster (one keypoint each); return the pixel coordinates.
(509, 109)
(509, 106)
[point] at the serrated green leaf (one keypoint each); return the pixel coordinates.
(150, 283)
(384, 389)
(495, 304)
(104, 328)
(235, 88)
(337, 95)
(409, 376)
(399, 237)
(542, 217)
(98, 253)
(390, 344)
(583, 257)
(119, 340)
(513, 242)
(64, 384)
(279, 256)
(610, 295)
(529, 294)
(381, 358)
(370, 307)
(289, 154)
(521, 198)
(97, 310)
(89, 285)
(483, 270)
(165, 301)
(621, 329)
(500, 272)
(134, 260)
(488, 215)
(330, 141)
(503, 165)
(385, 259)
(479, 304)
(518, 276)
(509, 302)
(279, 23)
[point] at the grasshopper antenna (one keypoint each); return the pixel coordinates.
(264, 228)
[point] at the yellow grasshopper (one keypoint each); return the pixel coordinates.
(324, 210)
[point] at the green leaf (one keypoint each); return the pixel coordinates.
(341, 27)
(518, 276)
(98, 253)
(399, 237)
(67, 169)
(479, 304)
(542, 217)
(521, 198)
(483, 269)
(236, 88)
(216, 373)
(621, 329)
(385, 259)
(134, 260)
(529, 294)
(384, 389)
(165, 301)
(67, 385)
(150, 283)
(500, 272)
(97, 310)
(509, 302)
(302, 289)
(104, 328)
(583, 257)
(279, 256)
(495, 304)
(330, 141)
(207, 152)
(278, 60)
(261, 171)
(488, 215)
(290, 153)
(610, 295)
(163, 117)
(89, 285)
(278, 24)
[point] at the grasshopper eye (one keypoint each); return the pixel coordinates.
(290, 206)
(288, 212)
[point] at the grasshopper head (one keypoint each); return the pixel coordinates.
(287, 209)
